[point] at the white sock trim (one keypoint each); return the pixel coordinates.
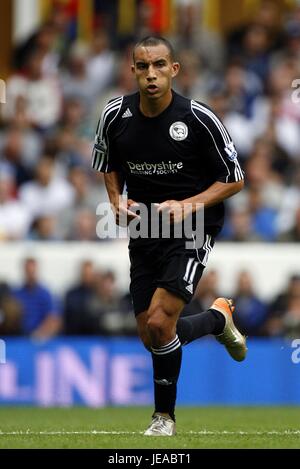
(168, 348)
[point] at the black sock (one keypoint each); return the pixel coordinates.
(193, 327)
(166, 368)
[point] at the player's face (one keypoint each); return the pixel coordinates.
(154, 70)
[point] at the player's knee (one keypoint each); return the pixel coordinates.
(156, 324)
(145, 338)
(144, 334)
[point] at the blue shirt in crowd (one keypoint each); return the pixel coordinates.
(37, 303)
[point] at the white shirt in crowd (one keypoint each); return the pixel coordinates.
(42, 97)
(47, 200)
(14, 220)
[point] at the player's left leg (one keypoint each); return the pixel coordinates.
(218, 321)
(182, 273)
(192, 327)
(161, 319)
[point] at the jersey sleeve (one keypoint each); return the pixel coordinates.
(103, 158)
(220, 151)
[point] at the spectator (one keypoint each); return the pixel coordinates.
(101, 63)
(40, 314)
(239, 227)
(69, 149)
(101, 302)
(267, 16)
(256, 51)
(191, 33)
(284, 312)
(75, 81)
(48, 193)
(192, 80)
(78, 301)
(286, 220)
(93, 306)
(41, 95)
(239, 126)
(42, 41)
(107, 302)
(281, 129)
(292, 235)
(19, 142)
(14, 152)
(280, 80)
(293, 35)
(44, 229)
(86, 198)
(251, 310)
(10, 312)
(60, 84)
(242, 87)
(14, 216)
(74, 118)
(124, 83)
(291, 319)
(85, 195)
(263, 217)
(83, 227)
(262, 177)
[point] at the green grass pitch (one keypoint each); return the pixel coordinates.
(197, 427)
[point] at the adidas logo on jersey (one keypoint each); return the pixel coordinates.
(127, 113)
(190, 288)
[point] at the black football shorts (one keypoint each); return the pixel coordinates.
(168, 264)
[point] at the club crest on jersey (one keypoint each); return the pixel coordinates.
(179, 131)
(231, 151)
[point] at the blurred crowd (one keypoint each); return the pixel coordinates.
(48, 192)
(59, 86)
(95, 306)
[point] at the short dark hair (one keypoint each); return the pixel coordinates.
(28, 260)
(151, 41)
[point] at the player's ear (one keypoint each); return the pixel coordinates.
(132, 68)
(175, 69)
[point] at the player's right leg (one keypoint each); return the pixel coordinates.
(157, 329)
(141, 320)
(156, 315)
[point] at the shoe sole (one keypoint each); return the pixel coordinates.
(158, 434)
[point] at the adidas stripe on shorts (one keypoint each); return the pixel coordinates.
(166, 263)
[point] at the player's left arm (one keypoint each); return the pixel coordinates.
(179, 209)
(220, 158)
(215, 194)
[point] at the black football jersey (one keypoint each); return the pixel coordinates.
(175, 155)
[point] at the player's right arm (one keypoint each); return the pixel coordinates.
(107, 161)
(114, 183)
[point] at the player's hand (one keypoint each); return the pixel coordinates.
(122, 212)
(175, 209)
